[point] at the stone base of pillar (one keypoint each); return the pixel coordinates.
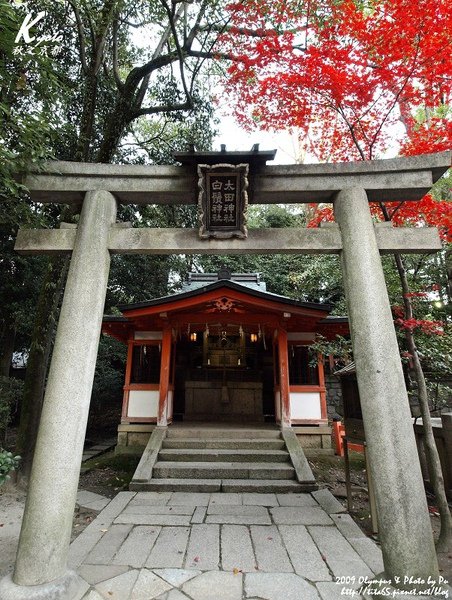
(64, 588)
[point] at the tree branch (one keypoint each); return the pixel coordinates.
(119, 83)
(152, 110)
(171, 18)
(196, 26)
(210, 54)
(81, 36)
(157, 53)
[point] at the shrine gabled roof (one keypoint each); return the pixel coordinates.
(225, 283)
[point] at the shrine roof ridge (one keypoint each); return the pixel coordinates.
(225, 283)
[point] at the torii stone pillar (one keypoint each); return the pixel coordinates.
(403, 517)
(41, 566)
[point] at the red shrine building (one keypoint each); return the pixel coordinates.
(224, 349)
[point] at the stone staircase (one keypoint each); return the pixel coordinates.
(214, 459)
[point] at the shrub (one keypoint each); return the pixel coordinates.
(11, 391)
(8, 463)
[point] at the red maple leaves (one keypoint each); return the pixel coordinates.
(349, 77)
(342, 72)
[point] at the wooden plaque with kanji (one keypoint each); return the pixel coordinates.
(223, 200)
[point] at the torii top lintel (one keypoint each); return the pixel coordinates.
(396, 179)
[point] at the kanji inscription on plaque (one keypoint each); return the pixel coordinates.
(223, 200)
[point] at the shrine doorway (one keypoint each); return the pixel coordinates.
(224, 374)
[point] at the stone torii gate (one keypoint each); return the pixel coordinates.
(408, 550)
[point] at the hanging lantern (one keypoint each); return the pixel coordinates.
(193, 336)
(253, 337)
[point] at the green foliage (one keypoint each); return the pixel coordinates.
(315, 278)
(11, 391)
(30, 86)
(109, 375)
(8, 463)
(339, 347)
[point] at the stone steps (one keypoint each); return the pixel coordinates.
(222, 455)
(265, 486)
(223, 459)
(226, 443)
(223, 470)
(221, 485)
(204, 433)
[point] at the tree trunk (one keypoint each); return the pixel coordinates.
(449, 272)
(444, 543)
(41, 345)
(87, 120)
(114, 130)
(7, 339)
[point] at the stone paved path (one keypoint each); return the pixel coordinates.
(219, 546)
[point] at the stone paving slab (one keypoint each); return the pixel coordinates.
(303, 553)
(328, 502)
(82, 590)
(227, 586)
(347, 526)
(256, 499)
(148, 586)
(91, 500)
(203, 551)
(342, 559)
(93, 595)
(118, 588)
(296, 500)
(276, 586)
(237, 549)
(169, 549)
(154, 498)
(98, 449)
(369, 552)
(228, 499)
(189, 498)
(173, 594)
(104, 551)
(137, 546)
(199, 514)
(96, 573)
(294, 557)
(221, 509)
(158, 509)
(271, 554)
(239, 519)
(176, 577)
(147, 519)
(306, 515)
(245, 515)
(84, 543)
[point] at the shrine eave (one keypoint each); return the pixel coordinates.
(396, 179)
(199, 292)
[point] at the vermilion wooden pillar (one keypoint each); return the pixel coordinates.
(125, 401)
(162, 420)
(323, 404)
(284, 377)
